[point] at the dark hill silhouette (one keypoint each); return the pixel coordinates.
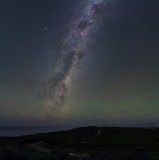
(92, 143)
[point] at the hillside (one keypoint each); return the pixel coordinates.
(92, 143)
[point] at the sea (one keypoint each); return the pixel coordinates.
(19, 131)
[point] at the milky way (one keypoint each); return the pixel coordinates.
(72, 51)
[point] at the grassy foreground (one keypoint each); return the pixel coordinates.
(89, 143)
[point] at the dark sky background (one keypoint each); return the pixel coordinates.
(117, 81)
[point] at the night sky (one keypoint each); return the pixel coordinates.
(79, 62)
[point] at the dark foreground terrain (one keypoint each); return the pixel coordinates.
(90, 143)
